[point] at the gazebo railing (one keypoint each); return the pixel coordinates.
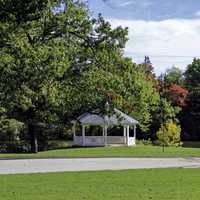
(98, 140)
(78, 140)
(116, 140)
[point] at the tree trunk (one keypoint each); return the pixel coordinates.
(33, 137)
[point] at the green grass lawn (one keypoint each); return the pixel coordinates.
(156, 184)
(138, 151)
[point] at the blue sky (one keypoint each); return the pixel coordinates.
(166, 30)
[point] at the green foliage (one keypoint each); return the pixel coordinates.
(10, 134)
(163, 113)
(192, 75)
(169, 134)
(169, 112)
(52, 62)
(192, 111)
(57, 65)
(10, 130)
(173, 76)
(144, 142)
(141, 95)
(58, 144)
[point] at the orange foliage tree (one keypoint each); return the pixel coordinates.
(177, 95)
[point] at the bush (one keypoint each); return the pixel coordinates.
(10, 130)
(169, 134)
(58, 144)
(14, 147)
(144, 142)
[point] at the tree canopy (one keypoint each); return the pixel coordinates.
(173, 76)
(192, 112)
(57, 65)
(58, 62)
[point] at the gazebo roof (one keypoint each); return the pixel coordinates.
(118, 118)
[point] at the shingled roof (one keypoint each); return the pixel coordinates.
(117, 118)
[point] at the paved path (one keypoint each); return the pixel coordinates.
(90, 164)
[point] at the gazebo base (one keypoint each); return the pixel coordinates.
(93, 141)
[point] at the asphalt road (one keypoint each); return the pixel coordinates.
(92, 164)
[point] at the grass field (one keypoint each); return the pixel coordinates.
(156, 184)
(138, 151)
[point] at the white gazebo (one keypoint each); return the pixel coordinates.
(118, 118)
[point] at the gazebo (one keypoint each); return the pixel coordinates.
(118, 118)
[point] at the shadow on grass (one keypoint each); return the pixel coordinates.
(191, 144)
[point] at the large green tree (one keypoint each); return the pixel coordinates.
(34, 59)
(57, 62)
(46, 52)
(174, 75)
(192, 111)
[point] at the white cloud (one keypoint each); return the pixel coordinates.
(168, 42)
(197, 13)
(119, 3)
(125, 3)
(146, 3)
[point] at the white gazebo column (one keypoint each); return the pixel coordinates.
(105, 135)
(134, 134)
(83, 134)
(127, 133)
(74, 129)
(125, 139)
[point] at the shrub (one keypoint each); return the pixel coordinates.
(10, 130)
(58, 144)
(169, 134)
(144, 142)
